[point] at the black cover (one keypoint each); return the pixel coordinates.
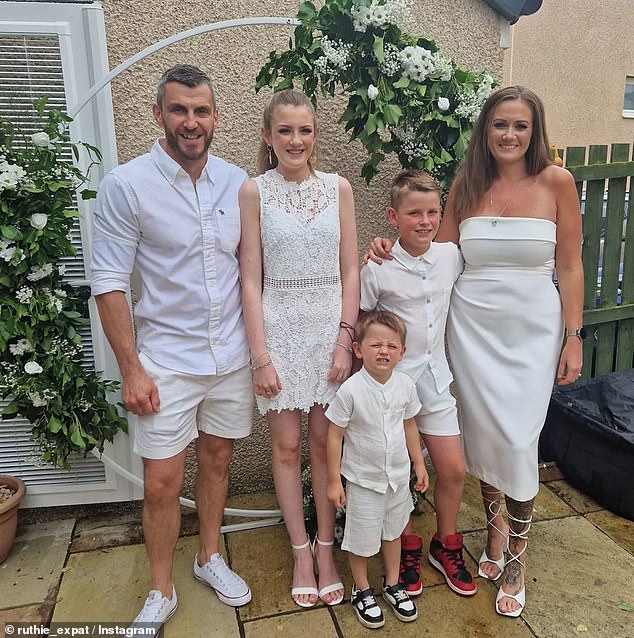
(513, 9)
(589, 433)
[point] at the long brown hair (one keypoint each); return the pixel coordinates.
(478, 168)
(287, 97)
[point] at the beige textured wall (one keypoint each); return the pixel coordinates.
(576, 55)
(467, 30)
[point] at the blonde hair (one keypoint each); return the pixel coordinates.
(287, 97)
(412, 180)
(383, 318)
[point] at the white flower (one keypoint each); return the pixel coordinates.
(6, 250)
(373, 92)
(33, 367)
(10, 175)
(39, 220)
(40, 139)
(24, 294)
(19, 348)
(39, 272)
(443, 103)
(37, 400)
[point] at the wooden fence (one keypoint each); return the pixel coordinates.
(604, 186)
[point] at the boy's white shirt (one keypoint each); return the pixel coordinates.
(417, 289)
(375, 452)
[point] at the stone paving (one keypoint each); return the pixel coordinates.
(580, 577)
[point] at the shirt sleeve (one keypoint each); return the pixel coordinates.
(115, 236)
(340, 409)
(369, 288)
(413, 406)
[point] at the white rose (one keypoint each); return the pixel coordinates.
(40, 139)
(443, 103)
(32, 367)
(39, 220)
(373, 92)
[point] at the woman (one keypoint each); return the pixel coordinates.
(300, 295)
(516, 217)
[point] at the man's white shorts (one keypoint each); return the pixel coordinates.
(438, 416)
(372, 517)
(221, 405)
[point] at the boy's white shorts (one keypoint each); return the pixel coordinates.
(438, 416)
(372, 517)
(221, 405)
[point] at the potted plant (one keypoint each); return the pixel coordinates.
(12, 491)
(42, 375)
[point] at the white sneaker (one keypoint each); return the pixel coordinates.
(229, 587)
(157, 609)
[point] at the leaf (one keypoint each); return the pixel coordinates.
(77, 439)
(54, 424)
(392, 114)
(377, 49)
(625, 607)
(88, 194)
(11, 232)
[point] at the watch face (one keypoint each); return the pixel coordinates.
(582, 333)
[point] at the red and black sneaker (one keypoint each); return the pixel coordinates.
(447, 559)
(409, 572)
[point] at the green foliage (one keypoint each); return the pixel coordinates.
(404, 96)
(41, 372)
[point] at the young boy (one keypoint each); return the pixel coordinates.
(417, 284)
(373, 412)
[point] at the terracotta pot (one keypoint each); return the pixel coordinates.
(9, 513)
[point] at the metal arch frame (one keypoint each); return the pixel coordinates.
(269, 517)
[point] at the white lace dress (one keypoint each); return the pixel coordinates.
(301, 298)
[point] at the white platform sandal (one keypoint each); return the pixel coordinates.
(304, 591)
(328, 589)
(520, 597)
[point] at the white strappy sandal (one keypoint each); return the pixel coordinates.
(328, 589)
(501, 562)
(520, 597)
(304, 591)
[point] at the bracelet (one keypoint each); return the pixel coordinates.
(264, 365)
(346, 348)
(348, 328)
(258, 357)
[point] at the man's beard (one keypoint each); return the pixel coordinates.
(174, 142)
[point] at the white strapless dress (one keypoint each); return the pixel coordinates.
(504, 332)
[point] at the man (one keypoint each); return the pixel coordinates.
(168, 223)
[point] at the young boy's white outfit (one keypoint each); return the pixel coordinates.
(375, 459)
(418, 289)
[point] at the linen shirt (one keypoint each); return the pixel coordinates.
(417, 289)
(374, 450)
(176, 245)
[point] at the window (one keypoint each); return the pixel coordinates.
(59, 50)
(628, 97)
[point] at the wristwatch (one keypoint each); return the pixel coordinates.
(580, 333)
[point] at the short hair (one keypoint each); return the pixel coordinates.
(383, 318)
(412, 180)
(186, 74)
(286, 97)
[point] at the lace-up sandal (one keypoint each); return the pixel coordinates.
(366, 608)
(304, 591)
(520, 597)
(447, 558)
(484, 558)
(328, 589)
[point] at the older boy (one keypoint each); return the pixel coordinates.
(417, 285)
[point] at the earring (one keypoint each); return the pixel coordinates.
(269, 148)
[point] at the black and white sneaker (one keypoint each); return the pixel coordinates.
(402, 605)
(367, 610)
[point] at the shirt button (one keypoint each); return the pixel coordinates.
(429, 301)
(424, 276)
(430, 325)
(428, 351)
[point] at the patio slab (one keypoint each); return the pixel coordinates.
(32, 571)
(620, 530)
(111, 585)
(576, 580)
(310, 622)
(579, 501)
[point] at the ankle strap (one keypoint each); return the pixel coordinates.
(324, 543)
(304, 546)
(523, 535)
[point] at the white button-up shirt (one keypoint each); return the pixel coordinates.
(417, 289)
(176, 245)
(374, 450)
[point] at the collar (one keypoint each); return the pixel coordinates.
(171, 169)
(404, 258)
(373, 383)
